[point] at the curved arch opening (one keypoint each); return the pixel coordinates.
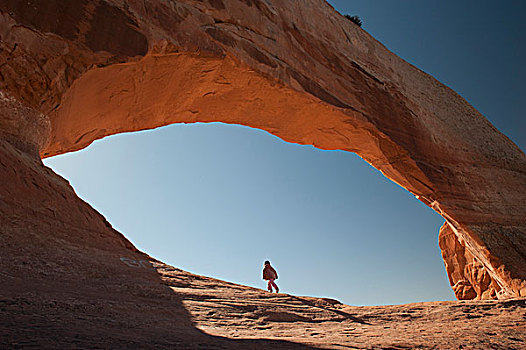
(219, 199)
(167, 88)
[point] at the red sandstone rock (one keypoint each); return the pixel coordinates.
(76, 71)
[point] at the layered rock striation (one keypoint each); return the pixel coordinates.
(76, 71)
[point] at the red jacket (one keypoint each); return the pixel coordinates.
(269, 273)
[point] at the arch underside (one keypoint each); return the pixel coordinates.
(321, 82)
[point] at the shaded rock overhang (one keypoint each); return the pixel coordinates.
(76, 71)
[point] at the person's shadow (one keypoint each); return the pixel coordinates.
(333, 310)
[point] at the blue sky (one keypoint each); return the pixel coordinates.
(218, 199)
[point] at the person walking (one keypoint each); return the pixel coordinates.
(269, 274)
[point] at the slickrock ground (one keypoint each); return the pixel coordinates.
(240, 312)
(196, 312)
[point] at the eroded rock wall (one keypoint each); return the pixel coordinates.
(467, 276)
(73, 72)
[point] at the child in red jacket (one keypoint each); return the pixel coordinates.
(270, 275)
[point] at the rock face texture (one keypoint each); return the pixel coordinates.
(75, 71)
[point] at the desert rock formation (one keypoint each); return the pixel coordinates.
(75, 71)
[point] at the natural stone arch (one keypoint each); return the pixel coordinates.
(299, 71)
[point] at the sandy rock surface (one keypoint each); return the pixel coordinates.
(240, 312)
(196, 312)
